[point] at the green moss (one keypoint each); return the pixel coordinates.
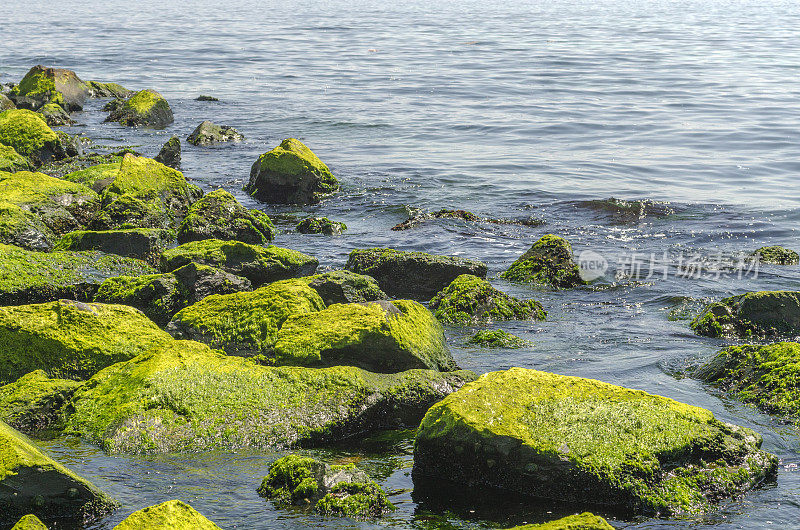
(379, 336)
(37, 85)
(583, 521)
(248, 322)
(292, 479)
(293, 157)
(549, 262)
(71, 339)
(182, 396)
(357, 500)
(28, 133)
(31, 189)
(342, 287)
(584, 441)
(497, 339)
(754, 314)
(320, 225)
(97, 176)
(471, 300)
(777, 256)
(12, 161)
(107, 90)
(33, 403)
(54, 115)
(218, 215)
(29, 522)
(158, 296)
(170, 515)
(146, 107)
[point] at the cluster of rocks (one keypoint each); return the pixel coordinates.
(145, 316)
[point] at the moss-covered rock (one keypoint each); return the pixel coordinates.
(55, 115)
(97, 176)
(170, 515)
(471, 300)
(415, 275)
(776, 256)
(767, 375)
(145, 244)
(170, 153)
(218, 215)
(33, 483)
(549, 262)
(290, 174)
(344, 287)
(184, 396)
(338, 490)
(5, 103)
(754, 314)
(320, 225)
(245, 323)
(258, 264)
(29, 135)
(497, 339)
(381, 336)
(33, 403)
(43, 85)
(145, 108)
(208, 133)
(160, 296)
(107, 90)
(583, 521)
(72, 340)
(11, 161)
(587, 442)
(29, 522)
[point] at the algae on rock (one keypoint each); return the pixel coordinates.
(145, 244)
(218, 215)
(29, 522)
(144, 108)
(549, 262)
(583, 521)
(11, 161)
(776, 256)
(497, 339)
(30, 136)
(170, 515)
(33, 403)
(754, 314)
(344, 287)
(43, 85)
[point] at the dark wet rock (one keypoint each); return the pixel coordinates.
(145, 244)
(776, 256)
(472, 300)
(33, 403)
(320, 225)
(586, 442)
(11, 161)
(43, 85)
(583, 521)
(55, 115)
(185, 397)
(341, 490)
(107, 90)
(755, 314)
(145, 108)
(258, 264)
(33, 483)
(344, 287)
(290, 174)
(170, 515)
(208, 133)
(28, 133)
(415, 275)
(497, 339)
(114, 105)
(420, 218)
(206, 98)
(549, 261)
(170, 154)
(63, 168)
(72, 145)
(218, 215)
(5, 103)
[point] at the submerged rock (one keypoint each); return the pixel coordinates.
(145, 244)
(29, 277)
(107, 90)
(170, 154)
(33, 403)
(256, 263)
(55, 115)
(28, 133)
(12, 161)
(628, 211)
(43, 85)
(71, 340)
(420, 218)
(776, 256)
(755, 314)
(767, 375)
(586, 442)
(29, 522)
(206, 98)
(583, 521)
(344, 287)
(208, 133)
(342, 490)
(290, 174)
(320, 225)
(415, 275)
(185, 397)
(33, 483)
(497, 339)
(471, 300)
(218, 215)
(145, 108)
(549, 261)
(382, 336)
(170, 515)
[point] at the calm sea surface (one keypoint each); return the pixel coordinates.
(514, 110)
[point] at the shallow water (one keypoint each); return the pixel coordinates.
(509, 110)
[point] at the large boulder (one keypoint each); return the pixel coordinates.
(33, 483)
(29, 277)
(342, 490)
(320, 225)
(382, 336)
(145, 108)
(170, 154)
(415, 275)
(755, 314)
(218, 215)
(245, 323)
(96, 176)
(33, 403)
(55, 115)
(145, 244)
(29, 135)
(11, 161)
(290, 174)
(160, 296)
(183, 396)
(258, 264)
(471, 300)
(549, 262)
(208, 133)
(71, 340)
(586, 442)
(776, 256)
(170, 515)
(767, 375)
(344, 287)
(582, 521)
(43, 85)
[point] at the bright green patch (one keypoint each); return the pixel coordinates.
(218, 215)
(357, 500)
(583, 521)
(33, 403)
(497, 339)
(777, 256)
(12, 161)
(37, 85)
(27, 132)
(170, 515)
(29, 522)
(93, 175)
(471, 300)
(342, 287)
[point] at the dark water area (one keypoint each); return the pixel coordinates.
(513, 110)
